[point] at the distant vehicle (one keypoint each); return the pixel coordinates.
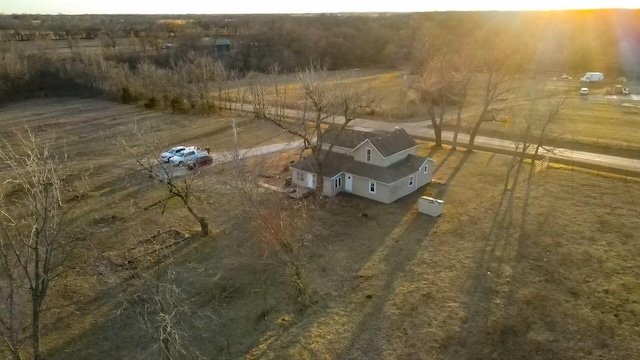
(185, 156)
(566, 77)
(617, 90)
(165, 156)
(200, 160)
(584, 91)
(592, 76)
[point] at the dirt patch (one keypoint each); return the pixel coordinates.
(147, 251)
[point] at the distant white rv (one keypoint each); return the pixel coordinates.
(592, 76)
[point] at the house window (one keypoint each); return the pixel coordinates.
(368, 155)
(299, 176)
(337, 182)
(426, 169)
(372, 187)
(411, 181)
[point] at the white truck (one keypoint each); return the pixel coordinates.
(592, 76)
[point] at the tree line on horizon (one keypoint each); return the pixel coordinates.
(568, 41)
(532, 43)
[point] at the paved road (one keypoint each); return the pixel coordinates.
(616, 164)
(421, 130)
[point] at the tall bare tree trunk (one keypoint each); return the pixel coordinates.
(35, 331)
(318, 155)
(437, 130)
(473, 134)
(457, 129)
(204, 226)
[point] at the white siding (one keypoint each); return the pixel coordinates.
(360, 154)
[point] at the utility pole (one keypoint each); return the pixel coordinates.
(236, 152)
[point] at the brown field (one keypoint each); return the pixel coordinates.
(64, 48)
(584, 124)
(392, 285)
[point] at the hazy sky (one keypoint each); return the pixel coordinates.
(294, 6)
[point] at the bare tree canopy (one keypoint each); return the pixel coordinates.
(324, 102)
(35, 237)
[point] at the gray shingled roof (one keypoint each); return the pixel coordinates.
(337, 163)
(387, 142)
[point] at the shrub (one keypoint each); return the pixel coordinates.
(152, 103)
(126, 95)
(211, 107)
(179, 105)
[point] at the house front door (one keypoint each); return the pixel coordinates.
(348, 184)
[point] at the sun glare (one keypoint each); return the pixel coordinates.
(257, 7)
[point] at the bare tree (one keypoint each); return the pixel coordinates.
(280, 223)
(541, 120)
(162, 309)
(438, 57)
(157, 82)
(284, 228)
(464, 77)
(177, 183)
(323, 100)
(110, 39)
(13, 317)
(35, 237)
(96, 70)
(496, 62)
(199, 74)
(494, 88)
(532, 126)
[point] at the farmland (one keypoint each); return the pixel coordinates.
(561, 282)
(107, 252)
(589, 124)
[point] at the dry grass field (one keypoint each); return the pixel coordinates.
(564, 288)
(64, 49)
(563, 283)
(586, 123)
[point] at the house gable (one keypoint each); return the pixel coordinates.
(366, 152)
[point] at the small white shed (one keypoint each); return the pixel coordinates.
(430, 206)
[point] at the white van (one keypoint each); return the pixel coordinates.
(592, 76)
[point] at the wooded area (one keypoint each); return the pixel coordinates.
(565, 40)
